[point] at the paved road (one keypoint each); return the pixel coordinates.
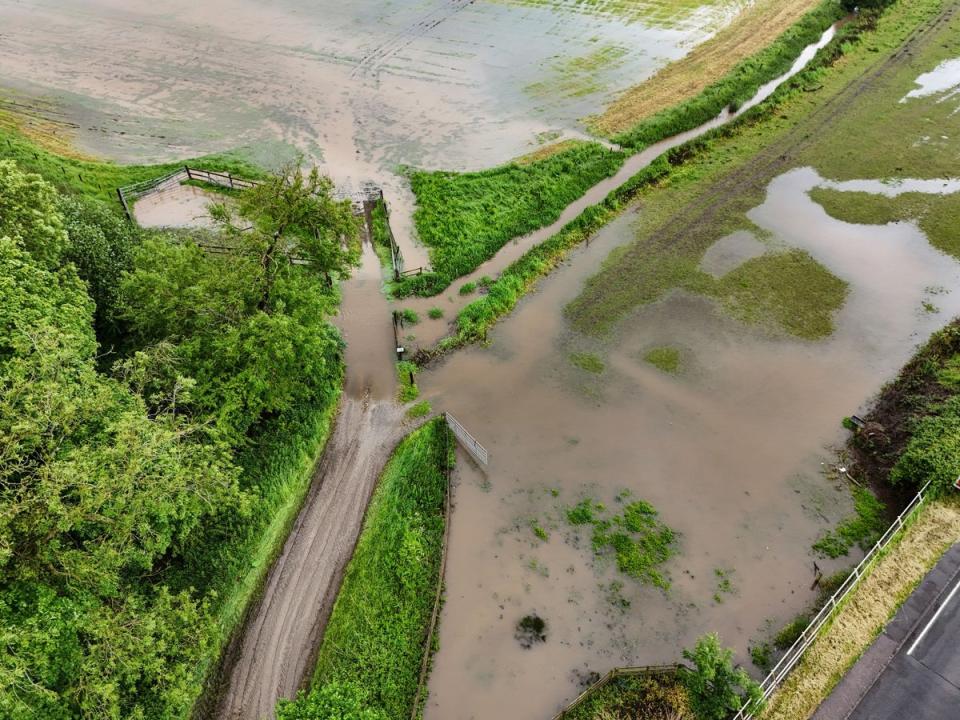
(912, 671)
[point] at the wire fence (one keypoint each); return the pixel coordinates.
(796, 652)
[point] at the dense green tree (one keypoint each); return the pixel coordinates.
(100, 244)
(716, 688)
(28, 215)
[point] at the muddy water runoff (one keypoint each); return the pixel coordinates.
(359, 87)
(731, 451)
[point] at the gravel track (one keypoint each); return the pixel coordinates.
(274, 656)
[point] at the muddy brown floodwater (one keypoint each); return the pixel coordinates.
(359, 87)
(730, 451)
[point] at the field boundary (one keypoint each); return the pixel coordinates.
(653, 670)
(441, 574)
(129, 194)
(796, 651)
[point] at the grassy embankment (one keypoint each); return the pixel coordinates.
(680, 170)
(373, 647)
(75, 174)
(708, 64)
(227, 563)
(465, 218)
(380, 234)
(891, 579)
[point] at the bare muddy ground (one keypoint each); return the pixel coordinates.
(177, 206)
(730, 450)
(274, 657)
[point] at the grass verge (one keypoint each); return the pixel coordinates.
(891, 579)
(97, 178)
(374, 643)
(465, 218)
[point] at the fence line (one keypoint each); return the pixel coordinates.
(438, 596)
(469, 442)
(613, 675)
(796, 652)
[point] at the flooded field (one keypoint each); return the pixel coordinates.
(733, 450)
(361, 87)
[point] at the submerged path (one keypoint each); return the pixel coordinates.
(276, 653)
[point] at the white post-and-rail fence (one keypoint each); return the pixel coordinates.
(796, 652)
(477, 451)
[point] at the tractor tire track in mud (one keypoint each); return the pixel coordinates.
(371, 63)
(781, 154)
(274, 656)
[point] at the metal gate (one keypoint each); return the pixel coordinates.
(477, 451)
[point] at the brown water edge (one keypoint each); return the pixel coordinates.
(450, 300)
(360, 88)
(179, 206)
(729, 451)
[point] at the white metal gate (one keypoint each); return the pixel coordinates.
(469, 442)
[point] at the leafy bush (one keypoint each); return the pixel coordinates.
(933, 452)
(715, 688)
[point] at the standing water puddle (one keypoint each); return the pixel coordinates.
(730, 451)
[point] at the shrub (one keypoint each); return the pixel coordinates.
(467, 288)
(717, 689)
(435, 313)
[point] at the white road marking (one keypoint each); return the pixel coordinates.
(933, 619)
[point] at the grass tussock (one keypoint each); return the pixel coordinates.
(664, 358)
(891, 579)
(369, 661)
(863, 528)
(407, 390)
(588, 361)
(465, 218)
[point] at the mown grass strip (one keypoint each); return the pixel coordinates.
(370, 659)
(465, 218)
(862, 616)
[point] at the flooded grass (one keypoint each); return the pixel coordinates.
(937, 215)
(465, 218)
(665, 358)
(407, 390)
(636, 538)
(578, 76)
(590, 362)
(732, 89)
(863, 528)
